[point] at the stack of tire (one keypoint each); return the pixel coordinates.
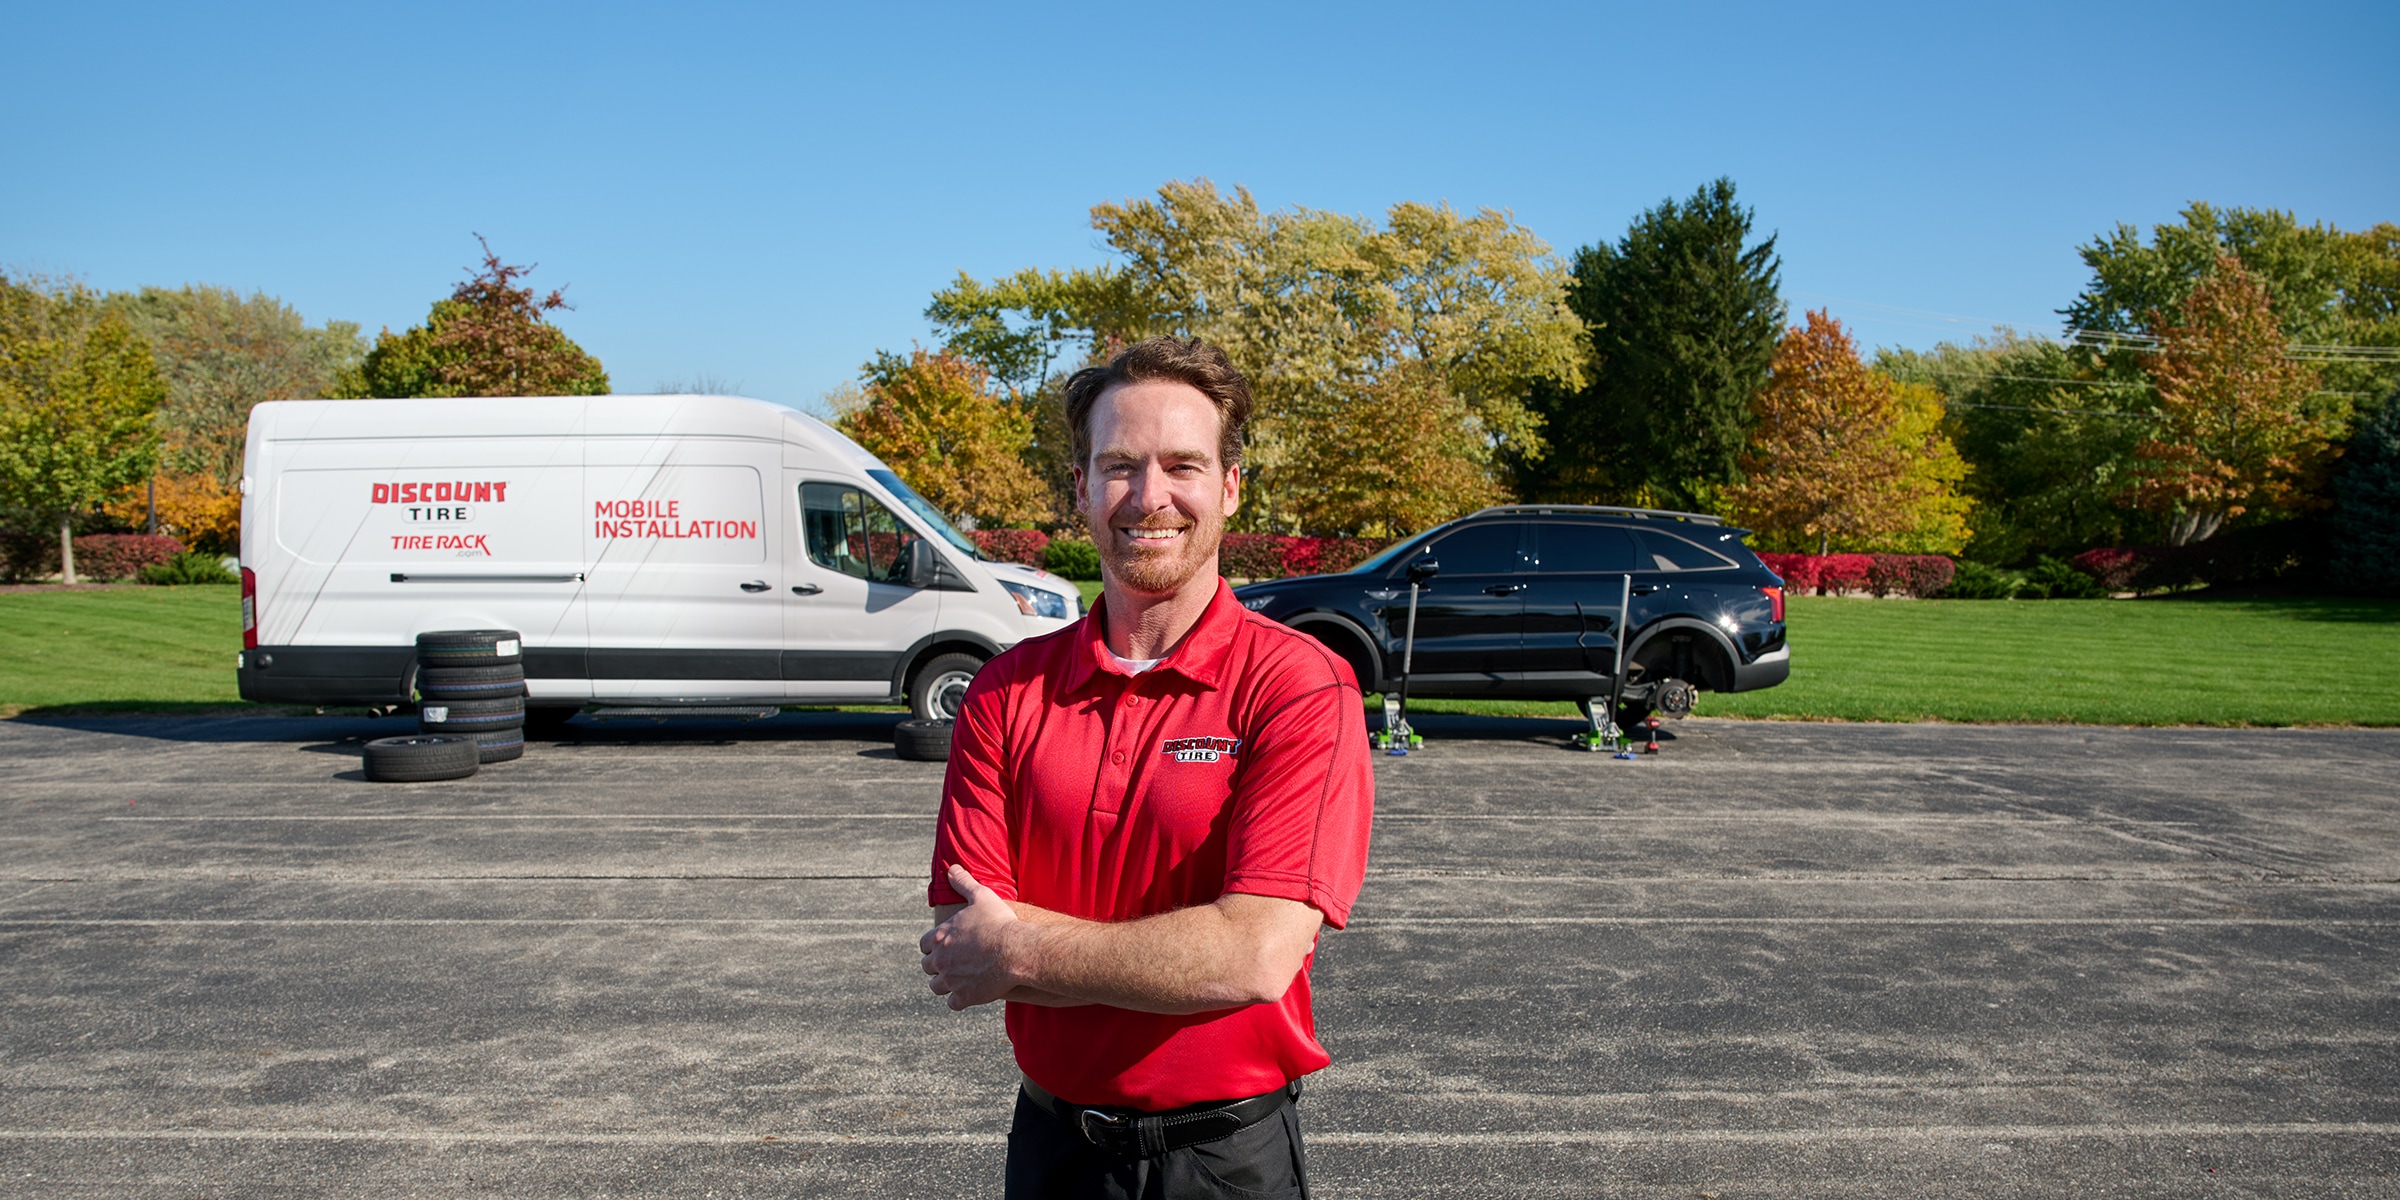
(471, 682)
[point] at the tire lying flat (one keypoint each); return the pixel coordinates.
(421, 758)
(922, 741)
(470, 648)
(438, 684)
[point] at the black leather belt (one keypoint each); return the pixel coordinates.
(1134, 1133)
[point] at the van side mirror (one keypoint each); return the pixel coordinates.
(1424, 569)
(928, 569)
(924, 562)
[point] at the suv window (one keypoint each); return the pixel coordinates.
(1666, 552)
(1489, 549)
(848, 531)
(1564, 548)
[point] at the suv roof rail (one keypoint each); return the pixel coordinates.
(1665, 514)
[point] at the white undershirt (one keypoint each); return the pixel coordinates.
(1134, 666)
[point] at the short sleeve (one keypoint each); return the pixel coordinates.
(972, 828)
(1305, 804)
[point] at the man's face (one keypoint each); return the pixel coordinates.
(1154, 493)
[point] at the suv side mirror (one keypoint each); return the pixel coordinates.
(1424, 569)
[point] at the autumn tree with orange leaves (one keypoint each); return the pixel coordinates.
(492, 337)
(1840, 459)
(2237, 429)
(934, 419)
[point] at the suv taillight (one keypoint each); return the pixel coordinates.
(1774, 600)
(250, 610)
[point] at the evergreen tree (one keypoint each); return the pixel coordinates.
(1683, 319)
(2366, 512)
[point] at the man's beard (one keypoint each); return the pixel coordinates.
(1160, 569)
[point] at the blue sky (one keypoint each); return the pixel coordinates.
(767, 194)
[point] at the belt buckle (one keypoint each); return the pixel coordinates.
(1112, 1122)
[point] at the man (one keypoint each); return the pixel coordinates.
(1148, 816)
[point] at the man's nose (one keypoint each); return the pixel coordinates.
(1151, 492)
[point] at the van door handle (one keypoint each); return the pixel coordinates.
(755, 585)
(805, 589)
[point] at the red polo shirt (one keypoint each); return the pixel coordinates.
(1238, 764)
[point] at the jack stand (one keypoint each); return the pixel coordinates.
(1604, 736)
(1652, 725)
(1397, 739)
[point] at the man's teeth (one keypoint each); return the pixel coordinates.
(1152, 535)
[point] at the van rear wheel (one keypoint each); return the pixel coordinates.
(940, 686)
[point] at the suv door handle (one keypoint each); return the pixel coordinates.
(1504, 589)
(805, 589)
(1644, 589)
(755, 585)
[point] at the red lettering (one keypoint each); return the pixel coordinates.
(383, 494)
(408, 493)
(499, 489)
(483, 493)
(442, 491)
(672, 506)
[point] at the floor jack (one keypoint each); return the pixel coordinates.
(1397, 738)
(1602, 711)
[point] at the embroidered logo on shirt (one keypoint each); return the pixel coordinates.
(1200, 749)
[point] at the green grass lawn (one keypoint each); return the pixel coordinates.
(2119, 662)
(2187, 661)
(148, 649)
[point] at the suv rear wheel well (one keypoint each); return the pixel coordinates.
(1684, 653)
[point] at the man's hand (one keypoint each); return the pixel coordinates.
(970, 955)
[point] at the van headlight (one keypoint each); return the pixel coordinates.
(1037, 602)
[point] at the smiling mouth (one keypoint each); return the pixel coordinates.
(1140, 534)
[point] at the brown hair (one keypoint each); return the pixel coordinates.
(1194, 362)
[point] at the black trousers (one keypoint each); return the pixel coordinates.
(1048, 1159)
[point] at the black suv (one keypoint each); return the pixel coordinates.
(1528, 603)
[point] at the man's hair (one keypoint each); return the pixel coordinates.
(1193, 362)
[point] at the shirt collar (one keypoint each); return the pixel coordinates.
(1200, 658)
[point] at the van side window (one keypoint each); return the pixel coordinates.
(848, 531)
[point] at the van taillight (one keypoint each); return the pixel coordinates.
(1774, 600)
(250, 610)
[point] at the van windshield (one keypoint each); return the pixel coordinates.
(925, 511)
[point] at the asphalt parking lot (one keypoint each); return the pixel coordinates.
(1778, 960)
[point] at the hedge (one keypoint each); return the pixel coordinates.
(1011, 545)
(1922, 576)
(121, 555)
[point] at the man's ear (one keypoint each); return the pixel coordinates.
(1233, 489)
(1076, 473)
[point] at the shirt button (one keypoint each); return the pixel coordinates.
(1118, 757)
(1131, 700)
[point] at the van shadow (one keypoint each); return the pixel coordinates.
(344, 734)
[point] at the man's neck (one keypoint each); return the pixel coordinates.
(1143, 625)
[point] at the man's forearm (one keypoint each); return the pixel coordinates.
(1196, 959)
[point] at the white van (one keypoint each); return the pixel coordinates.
(656, 552)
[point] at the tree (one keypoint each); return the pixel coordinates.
(78, 392)
(1683, 318)
(490, 338)
(2237, 428)
(2330, 290)
(1465, 313)
(2366, 514)
(1835, 459)
(223, 353)
(933, 418)
(2050, 434)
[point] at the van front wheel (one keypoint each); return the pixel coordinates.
(940, 686)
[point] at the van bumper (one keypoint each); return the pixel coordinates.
(327, 674)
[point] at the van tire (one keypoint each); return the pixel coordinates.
(938, 687)
(922, 741)
(420, 758)
(468, 648)
(471, 683)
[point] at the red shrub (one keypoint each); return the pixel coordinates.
(1799, 571)
(2114, 568)
(1251, 556)
(1012, 545)
(1920, 575)
(1341, 554)
(121, 555)
(1838, 573)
